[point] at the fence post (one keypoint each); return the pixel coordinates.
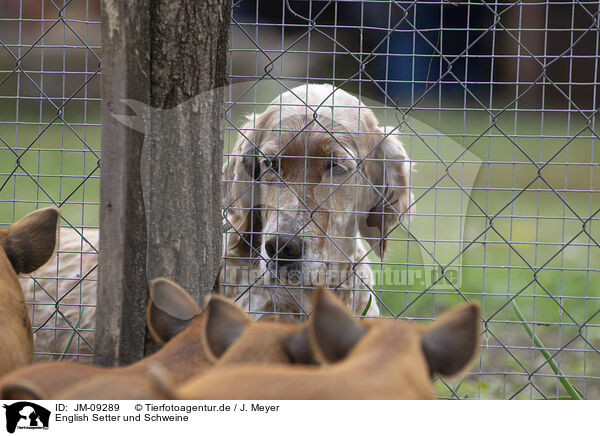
(162, 54)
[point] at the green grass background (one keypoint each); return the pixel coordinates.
(530, 229)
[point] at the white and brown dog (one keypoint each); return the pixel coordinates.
(308, 180)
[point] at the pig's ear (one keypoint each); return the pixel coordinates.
(170, 309)
(333, 331)
(225, 322)
(20, 390)
(298, 347)
(30, 242)
(452, 342)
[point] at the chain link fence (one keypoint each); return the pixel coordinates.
(49, 155)
(496, 105)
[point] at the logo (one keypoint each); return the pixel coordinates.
(26, 415)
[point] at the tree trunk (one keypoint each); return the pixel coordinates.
(172, 56)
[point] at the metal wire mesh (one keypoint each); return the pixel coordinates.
(496, 104)
(49, 155)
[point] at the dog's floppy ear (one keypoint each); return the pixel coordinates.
(170, 309)
(31, 241)
(452, 341)
(225, 322)
(332, 329)
(240, 171)
(239, 190)
(388, 168)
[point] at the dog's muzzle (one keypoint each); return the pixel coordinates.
(285, 252)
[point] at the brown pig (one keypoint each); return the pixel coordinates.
(195, 342)
(370, 359)
(24, 247)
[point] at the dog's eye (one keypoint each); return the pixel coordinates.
(336, 168)
(271, 164)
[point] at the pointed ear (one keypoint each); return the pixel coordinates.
(31, 241)
(389, 171)
(170, 309)
(225, 322)
(20, 390)
(298, 347)
(332, 329)
(452, 341)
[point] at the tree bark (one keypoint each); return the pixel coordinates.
(172, 57)
(188, 56)
(122, 289)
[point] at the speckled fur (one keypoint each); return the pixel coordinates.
(335, 215)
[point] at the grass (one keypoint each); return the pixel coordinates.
(73, 333)
(574, 393)
(512, 232)
(55, 165)
(534, 247)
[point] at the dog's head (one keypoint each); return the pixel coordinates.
(309, 175)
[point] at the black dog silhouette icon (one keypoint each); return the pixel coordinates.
(27, 415)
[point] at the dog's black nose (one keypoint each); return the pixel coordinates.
(283, 249)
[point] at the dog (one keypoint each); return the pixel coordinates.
(65, 289)
(309, 180)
